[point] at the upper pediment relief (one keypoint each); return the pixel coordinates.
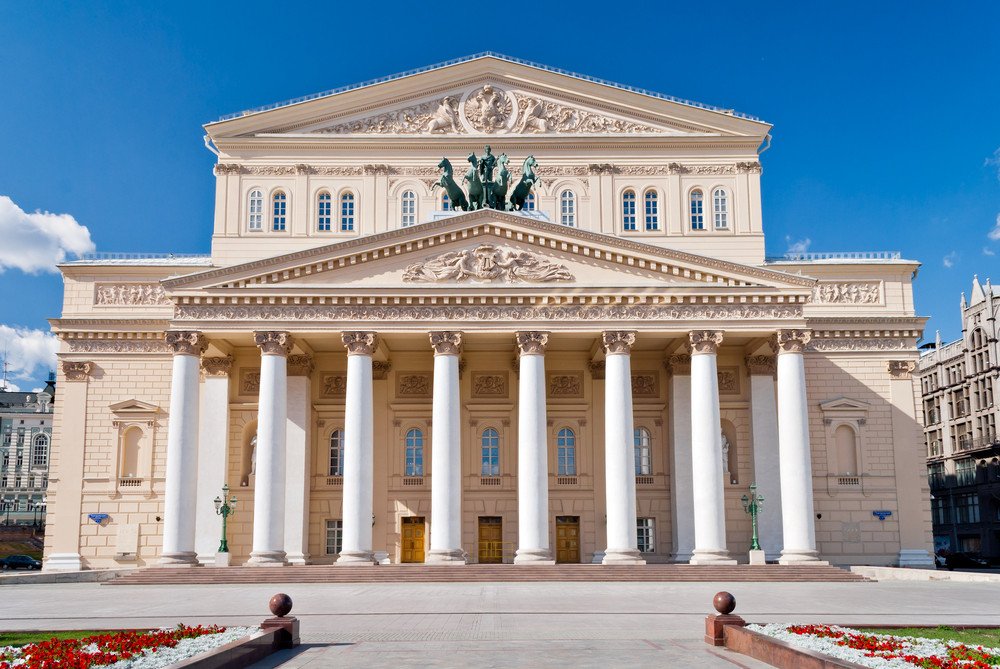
(489, 109)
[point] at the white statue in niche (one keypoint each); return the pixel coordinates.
(253, 463)
(725, 453)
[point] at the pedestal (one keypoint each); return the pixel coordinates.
(758, 558)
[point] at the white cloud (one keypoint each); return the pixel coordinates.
(995, 161)
(29, 353)
(987, 251)
(36, 242)
(994, 234)
(949, 260)
(801, 246)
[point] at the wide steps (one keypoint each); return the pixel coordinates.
(477, 573)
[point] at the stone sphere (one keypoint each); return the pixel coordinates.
(281, 604)
(724, 602)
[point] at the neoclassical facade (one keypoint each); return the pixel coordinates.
(379, 375)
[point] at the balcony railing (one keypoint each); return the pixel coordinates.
(130, 482)
(489, 481)
(644, 480)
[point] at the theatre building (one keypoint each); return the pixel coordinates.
(577, 353)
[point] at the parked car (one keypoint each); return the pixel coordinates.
(20, 562)
(965, 561)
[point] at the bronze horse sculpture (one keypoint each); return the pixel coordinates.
(477, 193)
(524, 185)
(447, 181)
(498, 188)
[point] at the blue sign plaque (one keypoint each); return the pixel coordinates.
(881, 514)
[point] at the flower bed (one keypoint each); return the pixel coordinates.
(882, 651)
(121, 650)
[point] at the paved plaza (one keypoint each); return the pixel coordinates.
(500, 625)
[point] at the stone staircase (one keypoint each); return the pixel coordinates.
(486, 573)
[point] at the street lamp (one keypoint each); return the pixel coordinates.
(753, 505)
(7, 501)
(225, 509)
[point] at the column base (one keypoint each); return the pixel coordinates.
(681, 557)
(449, 557)
(297, 559)
(356, 559)
(533, 556)
(63, 562)
(916, 559)
(712, 557)
(266, 559)
(180, 559)
(614, 556)
(801, 557)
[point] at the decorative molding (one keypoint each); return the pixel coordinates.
(729, 380)
(273, 342)
(537, 115)
(790, 341)
(748, 168)
(186, 342)
(848, 292)
(360, 343)
(250, 381)
(762, 364)
(855, 344)
(901, 369)
(338, 171)
(300, 365)
(597, 369)
(76, 371)
(486, 263)
(531, 343)
(489, 385)
(129, 295)
(118, 346)
(217, 365)
(409, 384)
(705, 341)
(565, 385)
(380, 369)
(446, 342)
(618, 341)
(645, 384)
(227, 168)
(334, 385)
(679, 364)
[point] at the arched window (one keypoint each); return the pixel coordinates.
(445, 202)
(567, 208)
(643, 452)
(628, 210)
(255, 210)
(720, 208)
(131, 447)
(529, 202)
(652, 210)
(40, 451)
(337, 453)
(325, 211)
(347, 212)
(847, 454)
(279, 210)
(414, 453)
(566, 452)
(490, 442)
(697, 210)
(408, 209)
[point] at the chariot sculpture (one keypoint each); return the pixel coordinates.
(486, 190)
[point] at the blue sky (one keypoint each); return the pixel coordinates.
(886, 115)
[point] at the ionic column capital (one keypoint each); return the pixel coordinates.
(705, 341)
(679, 364)
(446, 342)
(532, 343)
(790, 341)
(273, 343)
(300, 365)
(76, 371)
(186, 342)
(360, 343)
(618, 342)
(764, 365)
(217, 365)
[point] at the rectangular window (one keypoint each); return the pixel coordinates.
(697, 211)
(334, 536)
(278, 219)
(935, 474)
(652, 215)
(628, 212)
(965, 471)
(645, 535)
(967, 508)
(347, 213)
(325, 218)
(939, 511)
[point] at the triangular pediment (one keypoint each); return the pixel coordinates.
(844, 404)
(487, 249)
(133, 407)
(488, 95)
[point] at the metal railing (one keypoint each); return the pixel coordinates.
(114, 255)
(838, 255)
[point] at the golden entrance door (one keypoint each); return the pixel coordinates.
(568, 539)
(490, 540)
(413, 539)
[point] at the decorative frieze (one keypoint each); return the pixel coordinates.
(790, 341)
(118, 345)
(848, 292)
(489, 385)
(901, 369)
(537, 115)
(334, 385)
(76, 371)
(217, 365)
(486, 263)
(227, 168)
(566, 385)
(129, 295)
(855, 344)
(679, 364)
(645, 384)
(762, 364)
(273, 343)
(705, 341)
(250, 381)
(409, 384)
(360, 343)
(618, 341)
(185, 342)
(531, 343)
(300, 365)
(446, 342)
(729, 380)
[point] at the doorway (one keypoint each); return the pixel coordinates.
(568, 539)
(413, 539)
(490, 540)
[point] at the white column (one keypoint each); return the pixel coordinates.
(358, 450)
(797, 520)
(682, 501)
(764, 426)
(181, 492)
(297, 450)
(619, 450)
(269, 487)
(446, 452)
(213, 439)
(706, 452)
(532, 453)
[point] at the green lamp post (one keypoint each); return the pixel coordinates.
(225, 509)
(753, 505)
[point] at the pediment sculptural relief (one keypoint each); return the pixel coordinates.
(487, 263)
(489, 110)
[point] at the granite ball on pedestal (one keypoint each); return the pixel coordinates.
(724, 602)
(280, 604)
